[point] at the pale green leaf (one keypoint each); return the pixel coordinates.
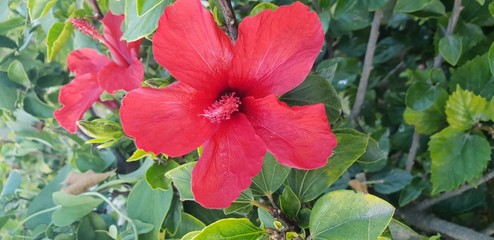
(231, 229)
(58, 35)
(464, 109)
(39, 8)
(181, 179)
(450, 48)
(73, 208)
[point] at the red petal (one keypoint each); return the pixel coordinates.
(114, 77)
(112, 32)
(76, 98)
(167, 120)
(276, 50)
(299, 137)
(231, 158)
(191, 47)
(86, 60)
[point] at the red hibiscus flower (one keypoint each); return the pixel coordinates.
(95, 73)
(225, 97)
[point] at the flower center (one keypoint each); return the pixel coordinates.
(223, 108)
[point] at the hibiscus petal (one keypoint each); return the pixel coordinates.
(191, 47)
(167, 120)
(275, 50)
(231, 158)
(112, 33)
(76, 98)
(299, 137)
(86, 60)
(114, 77)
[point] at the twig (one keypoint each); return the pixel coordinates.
(438, 60)
(428, 203)
(453, 20)
(369, 55)
(231, 21)
(432, 224)
(412, 153)
(97, 11)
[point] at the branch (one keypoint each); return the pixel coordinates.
(412, 153)
(453, 20)
(97, 11)
(231, 21)
(428, 203)
(369, 55)
(432, 224)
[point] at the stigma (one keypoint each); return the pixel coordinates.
(223, 108)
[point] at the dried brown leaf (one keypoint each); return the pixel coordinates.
(77, 183)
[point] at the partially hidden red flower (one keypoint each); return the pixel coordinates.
(225, 97)
(95, 73)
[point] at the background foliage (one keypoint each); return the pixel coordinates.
(418, 142)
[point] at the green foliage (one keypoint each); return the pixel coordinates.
(464, 109)
(230, 229)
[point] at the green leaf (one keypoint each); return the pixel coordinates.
(243, 204)
(308, 185)
(155, 175)
(141, 26)
(406, 6)
(392, 181)
(144, 6)
(270, 178)
(464, 109)
(17, 74)
(6, 42)
(149, 206)
(139, 154)
(231, 229)
(374, 158)
(457, 157)
(266, 218)
(315, 89)
(4, 10)
(289, 203)
(73, 208)
(348, 16)
(44, 200)
(9, 95)
(181, 179)
(421, 8)
(347, 214)
(39, 8)
(261, 7)
(475, 76)
(430, 120)
(401, 231)
(450, 48)
(422, 95)
(490, 110)
(34, 106)
(374, 5)
(490, 55)
(92, 227)
(12, 183)
(412, 191)
(188, 224)
(57, 36)
(174, 216)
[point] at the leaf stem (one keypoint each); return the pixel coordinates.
(369, 55)
(97, 11)
(230, 19)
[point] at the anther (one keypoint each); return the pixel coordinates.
(223, 108)
(86, 28)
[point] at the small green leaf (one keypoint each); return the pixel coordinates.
(490, 54)
(156, 82)
(181, 179)
(57, 36)
(144, 6)
(458, 155)
(464, 109)
(243, 204)
(270, 178)
(155, 175)
(139, 154)
(17, 74)
(450, 48)
(475, 75)
(140, 26)
(422, 95)
(9, 95)
(289, 203)
(188, 224)
(313, 90)
(406, 6)
(34, 106)
(308, 185)
(39, 8)
(333, 217)
(401, 231)
(430, 120)
(102, 130)
(412, 191)
(73, 207)
(6, 42)
(149, 206)
(92, 227)
(266, 218)
(12, 183)
(391, 181)
(261, 7)
(231, 229)
(374, 158)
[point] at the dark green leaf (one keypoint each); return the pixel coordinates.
(17, 74)
(8, 93)
(459, 155)
(289, 203)
(308, 185)
(349, 16)
(155, 175)
(271, 176)
(6, 42)
(334, 218)
(34, 106)
(188, 224)
(315, 89)
(412, 191)
(374, 158)
(450, 48)
(391, 181)
(92, 227)
(181, 179)
(430, 120)
(474, 75)
(243, 204)
(422, 95)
